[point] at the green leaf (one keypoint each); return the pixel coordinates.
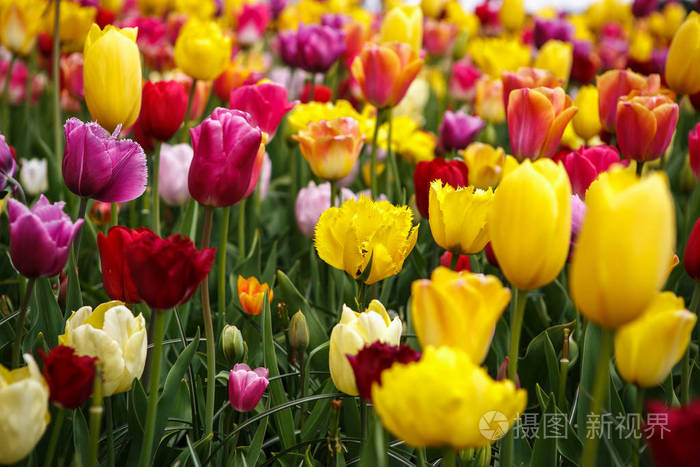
(319, 413)
(270, 265)
(295, 301)
(531, 370)
(74, 299)
(544, 451)
(50, 316)
(256, 444)
(81, 436)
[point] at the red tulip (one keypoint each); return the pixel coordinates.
(116, 275)
(645, 125)
(691, 258)
(321, 93)
(462, 262)
(163, 108)
(454, 173)
(369, 363)
(672, 434)
(584, 166)
(694, 150)
(70, 377)
(167, 271)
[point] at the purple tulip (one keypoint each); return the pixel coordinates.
(40, 238)
(335, 21)
(99, 166)
(552, 29)
(287, 44)
(7, 162)
(313, 48)
(642, 8)
(276, 7)
(458, 129)
(246, 386)
(174, 166)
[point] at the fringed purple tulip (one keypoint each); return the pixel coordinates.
(266, 103)
(246, 386)
(458, 130)
(102, 167)
(40, 237)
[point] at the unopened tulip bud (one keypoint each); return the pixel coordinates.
(298, 331)
(233, 345)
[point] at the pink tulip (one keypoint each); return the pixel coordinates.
(463, 81)
(246, 386)
(584, 166)
(252, 22)
(266, 103)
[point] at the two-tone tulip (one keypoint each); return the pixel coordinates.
(614, 84)
(645, 125)
(331, 147)
(527, 77)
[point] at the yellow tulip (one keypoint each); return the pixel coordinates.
(303, 114)
(115, 336)
(494, 54)
(201, 9)
(458, 217)
(403, 24)
(331, 147)
(458, 309)
(153, 7)
(444, 399)
(24, 410)
(586, 122)
(682, 65)
(557, 57)
(512, 15)
(20, 22)
(348, 236)
(112, 76)
(530, 223)
(666, 325)
(664, 24)
(641, 46)
(467, 22)
(432, 8)
(418, 146)
(75, 22)
(485, 164)
(621, 258)
(202, 51)
(352, 333)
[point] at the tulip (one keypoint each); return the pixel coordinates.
(645, 126)
(303, 114)
(369, 363)
(458, 217)
(115, 336)
(552, 29)
(691, 258)
(682, 73)
(458, 129)
(40, 237)
(234, 75)
(246, 386)
(462, 85)
(251, 293)
(266, 103)
(530, 223)
(494, 55)
(251, 22)
(578, 213)
(404, 24)
(642, 8)
(585, 61)
(117, 279)
(318, 47)
(584, 166)
(310, 203)
(557, 57)
(349, 236)
(441, 399)
(667, 324)
(438, 36)
(612, 281)
(288, 46)
(228, 155)
(485, 165)
(694, 150)
(536, 121)
(673, 442)
(462, 263)
(97, 165)
(512, 15)
(70, 377)
(74, 25)
(24, 410)
(33, 176)
(453, 173)
(458, 309)
(586, 122)
(20, 23)
(351, 334)
(614, 84)
(331, 147)
(174, 166)
(233, 345)
(202, 50)
(112, 76)
(298, 333)
(8, 165)
(321, 93)
(489, 100)
(163, 108)
(527, 78)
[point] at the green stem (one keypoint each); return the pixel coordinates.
(638, 409)
(334, 192)
(154, 382)
(208, 329)
(241, 230)
(361, 289)
(454, 258)
(6, 98)
(449, 457)
(57, 114)
(392, 168)
(17, 189)
(55, 432)
(95, 417)
(599, 397)
(190, 379)
(78, 236)
(113, 214)
(222, 261)
(563, 369)
(109, 425)
(685, 377)
(155, 221)
(19, 327)
(640, 168)
(184, 137)
(363, 419)
(373, 156)
(420, 458)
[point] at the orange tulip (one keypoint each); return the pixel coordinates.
(614, 84)
(251, 293)
(645, 125)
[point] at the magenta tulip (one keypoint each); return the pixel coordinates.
(313, 48)
(458, 130)
(246, 386)
(584, 166)
(266, 103)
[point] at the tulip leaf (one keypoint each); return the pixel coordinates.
(138, 404)
(50, 316)
(283, 418)
(256, 443)
(295, 301)
(541, 348)
(74, 298)
(81, 436)
(368, 269)
(318, 414)
(544, 451)
(270, 265)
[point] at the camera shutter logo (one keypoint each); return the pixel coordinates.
(493, 425)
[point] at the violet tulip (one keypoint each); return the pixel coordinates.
(99, 166)
(40, 237)
(287, 44)
(174, 166)
(228, 155)
(458, 130)
(552, 29)
(8, 166)
(584, 166)
(318, 47)
(246, 386)
(266, 103)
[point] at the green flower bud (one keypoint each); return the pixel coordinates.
(233, 345)
(298, 331)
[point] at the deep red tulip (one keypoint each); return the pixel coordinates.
(167, 271)
(584, 166)
(491, 256)
(163, 108)
(462, 262)
(70, 377)
(454, 173)
(321, 93)
(369, 363)
(694, 150)
(116, 275)
(672, 434)
(691, 258)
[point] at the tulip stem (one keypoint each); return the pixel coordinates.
(363, 419)
(563, 369)
(392, 169)
(110, 431)
(208, 328)
(81, 215)
(19, 328)
(373, 156)
(640, 168)
(186, 123)
(449, 457)
(95, 417)
(156, 197)
(600, 390)
(241, 230)
(18, 188)
(334, 193)
(55, 432)
(223, 241)
(6, 97)
(57, 117)
(154, 382)
(113, 214)
(685, 377)
(638, 409)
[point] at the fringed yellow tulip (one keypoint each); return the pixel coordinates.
(557, 57)
(352, 333)
(586, 121)
(112, 76)
(485, 164)
(202, 51)
(458, 217)
(444, 399)
(683, 63)
(666, 325)
(458, 309)
(403, 24)
(530, 223)
(621, 257)
(348, 236)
